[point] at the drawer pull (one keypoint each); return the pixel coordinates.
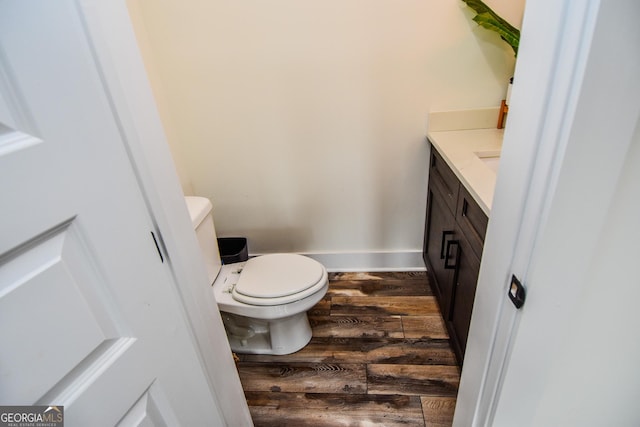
(447, 257)
(445, 233)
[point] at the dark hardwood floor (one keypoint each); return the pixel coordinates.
(379, 356)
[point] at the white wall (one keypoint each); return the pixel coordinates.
(509, 10)
(305, 122)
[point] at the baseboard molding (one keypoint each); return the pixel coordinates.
(368, 261)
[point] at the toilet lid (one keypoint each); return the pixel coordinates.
(278, 275)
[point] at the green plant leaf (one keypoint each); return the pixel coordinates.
(487, 21)
(478, 6)
(490, 20)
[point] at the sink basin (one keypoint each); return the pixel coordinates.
(490, 158)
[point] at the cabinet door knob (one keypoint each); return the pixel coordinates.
(445, 233)
(447, 251)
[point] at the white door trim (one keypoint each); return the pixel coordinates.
(124, 76)
(553, 52)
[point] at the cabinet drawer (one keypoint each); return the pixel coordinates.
(442, 178)
(472, 220)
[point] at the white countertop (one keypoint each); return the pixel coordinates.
(458, 148)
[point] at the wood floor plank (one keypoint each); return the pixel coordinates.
(379, 356)
(392, 287)
(365, 350)
(311, 410)
(421, 380)
(322, 308)
(303, 377)
(438, 411)
(424, 327)
(356, 326)
(383, 306)
(379, 275)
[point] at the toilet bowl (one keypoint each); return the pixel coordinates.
(264, 300)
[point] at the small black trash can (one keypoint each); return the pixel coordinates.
(233, 249)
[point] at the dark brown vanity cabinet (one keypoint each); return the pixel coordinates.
(453, 241)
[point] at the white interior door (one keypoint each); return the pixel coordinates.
(89, 318)
(563, 220)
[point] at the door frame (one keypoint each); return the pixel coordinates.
(124, 77)
(552, 60)
(555, 45)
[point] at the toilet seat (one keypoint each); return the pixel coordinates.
(277, 279)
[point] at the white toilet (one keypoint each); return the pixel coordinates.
(263, 301)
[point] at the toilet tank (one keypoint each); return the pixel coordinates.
(202, 221)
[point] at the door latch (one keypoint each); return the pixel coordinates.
(516, 292)
(157, 247)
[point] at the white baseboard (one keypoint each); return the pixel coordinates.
(369, 261)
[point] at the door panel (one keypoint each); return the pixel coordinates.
(468, 267)
(150, 410)
(42, 278)
(439, 222)
(89, 316)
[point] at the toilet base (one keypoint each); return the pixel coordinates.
(276, 336)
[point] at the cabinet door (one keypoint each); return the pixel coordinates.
(438, 230)
(466, 277)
